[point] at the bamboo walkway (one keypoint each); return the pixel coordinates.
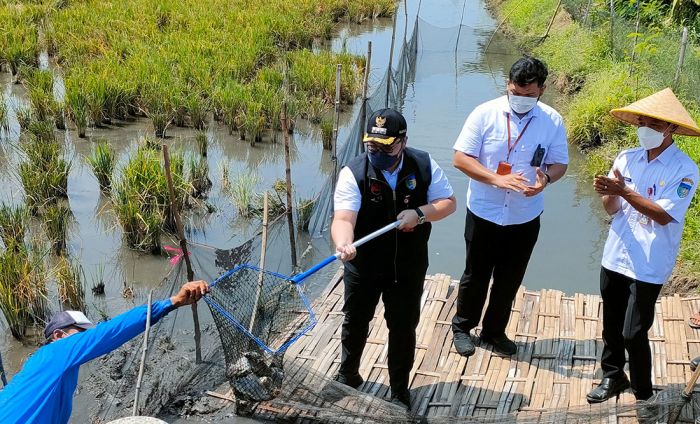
(559, 348)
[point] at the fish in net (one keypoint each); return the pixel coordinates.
(259, 314)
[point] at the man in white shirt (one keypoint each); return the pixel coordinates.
(387, 183)
(511, 148)
(647, 192)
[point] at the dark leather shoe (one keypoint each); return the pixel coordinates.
(401, 398)
(694, 364)
(353, 380)
(501, 344)
(608, 388)
(463, 343)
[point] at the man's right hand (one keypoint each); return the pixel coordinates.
(190, 293)
(347, 252)
(515, 182)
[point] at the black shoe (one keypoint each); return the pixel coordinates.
(401, 398)
(501, 344)
(608, 388)
(463, 343)
(694, 364)
(648, 413)
(353, 380)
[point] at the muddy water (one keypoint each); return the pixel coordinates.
(447, 86)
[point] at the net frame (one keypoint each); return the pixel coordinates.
(283, 279)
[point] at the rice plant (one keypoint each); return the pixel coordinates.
(102, 163)
(198, 109)
(14, 221)
(304, 208)
(243, 193)
(98, 285)
(59, 117)
(70, 284)
(199, 176)
(142, 201)
(56, 217)
(202, 143)
(327, 125)
(42, 131)
(225, 176)
(4, 115)
(43, 173)
(24, 117)
(77, 110)
(23, 293)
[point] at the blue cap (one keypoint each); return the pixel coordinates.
(66, 319)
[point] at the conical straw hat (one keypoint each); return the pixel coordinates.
(662, 105)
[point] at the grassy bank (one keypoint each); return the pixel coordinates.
(601, 63)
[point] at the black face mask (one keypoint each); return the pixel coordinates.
(383, 161)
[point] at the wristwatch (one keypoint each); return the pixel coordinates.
(421, 216)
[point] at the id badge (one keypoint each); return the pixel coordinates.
(504, 168)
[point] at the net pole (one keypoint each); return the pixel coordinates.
(681, 58)
(3, 377)
(551, 21)
(365, 89)
(389, 77)
(288, 172)
(336, 123)
(261, 275)
(143, 355)
(185, 252)
(461, 20)
(636, 36)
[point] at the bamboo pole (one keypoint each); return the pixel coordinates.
(461, 21)
(185, 252)
(143, 354)
(681, 58)
(551, 21)
(3, 377)
(389, 77)
(636, 36)
(336, 122)
(365, 89)
(261, 274)
(288, 170)
(505, 18)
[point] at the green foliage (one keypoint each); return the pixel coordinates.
(327, 132)
(70, 284)
(243, 193)
(44, 172)
(23, 294)
(14, 221)
(199, 176)
(56, 217)
(102, 163)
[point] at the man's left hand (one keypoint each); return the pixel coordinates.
(409, 219)
(540, 184)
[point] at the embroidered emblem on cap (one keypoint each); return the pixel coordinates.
(411, 182)
(684, 187)
(380, 121)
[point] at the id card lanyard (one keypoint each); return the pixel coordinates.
(511, 147)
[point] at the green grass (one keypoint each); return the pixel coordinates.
(43, 172)
(199, 176)
(242, 192)
(14, 221)
(102, 163)
(70, 284)
(23, 293)
(56, 218)
(202, 142)
(327, 125)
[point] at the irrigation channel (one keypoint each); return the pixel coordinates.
(448, 84)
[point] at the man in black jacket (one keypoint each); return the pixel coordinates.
(387, 183)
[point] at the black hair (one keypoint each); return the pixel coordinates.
(528, 70)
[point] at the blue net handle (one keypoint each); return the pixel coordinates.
(303, 275)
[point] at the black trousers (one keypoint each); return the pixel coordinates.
(628, 314)
(501, 251)
(401, 312)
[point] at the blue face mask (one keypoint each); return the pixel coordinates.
(381, 160)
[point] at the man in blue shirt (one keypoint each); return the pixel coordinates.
(42, 392)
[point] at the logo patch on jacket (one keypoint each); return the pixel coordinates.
(411, 182)
(375, 188)
(684, 187)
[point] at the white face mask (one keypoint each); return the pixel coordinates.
(521, 104)
(649, 138)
